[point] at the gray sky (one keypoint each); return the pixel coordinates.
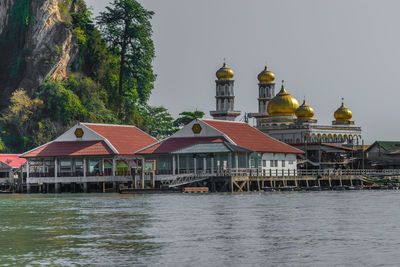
(324, 50)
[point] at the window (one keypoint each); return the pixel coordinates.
(291, 162)
(274, 163)
(79, 166)
(108, 166)
(283, 163)
(264, 163)
(94, 167)
(65, 166)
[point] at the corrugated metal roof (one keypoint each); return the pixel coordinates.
(211, 148)
(172, 144)
(12, 160)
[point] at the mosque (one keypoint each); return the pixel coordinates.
(281, 117)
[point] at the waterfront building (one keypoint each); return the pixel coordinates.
(87, 156)
(280, 116)
(384, 155)
(217, 148)
(12, 170)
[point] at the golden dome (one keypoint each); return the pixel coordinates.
(283, 104)
(305, 112)
(224, 73)
(266, 76)
(343, 113)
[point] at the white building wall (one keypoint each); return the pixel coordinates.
(206, 131)
(288, 159)
(88, 135)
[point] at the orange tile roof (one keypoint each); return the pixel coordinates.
(171, 144)
(12, 160)
(247, 136)
(125, 139)
(71, 148)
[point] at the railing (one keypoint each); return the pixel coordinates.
(254, 172)
(338, 172)
(251, 172)
(182, 179)
(75, 174)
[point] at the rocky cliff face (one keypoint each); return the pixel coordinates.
(36, 42)
(5, 7)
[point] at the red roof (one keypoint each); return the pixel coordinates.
(71, 148)
(246, 136)
(125, 139)
(172, 144)
(12, 160)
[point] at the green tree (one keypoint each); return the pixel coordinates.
(21, 112)
(19, 121)
(157, 122)
(92, 96)
(61, 104)
(127, 30)
(186, 117)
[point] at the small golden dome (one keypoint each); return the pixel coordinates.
(343, 113)
(266, 76)
(305, 112)
(283, 104)
(224, 73)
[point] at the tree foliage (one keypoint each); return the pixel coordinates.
(157, 121)
(126, 28)
(187, 116)
(19, 119)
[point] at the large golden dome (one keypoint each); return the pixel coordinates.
(266, 76)
(343, 113)
(283, 104)
(305, 112)
(224, 73)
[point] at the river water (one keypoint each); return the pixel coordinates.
(357, 228)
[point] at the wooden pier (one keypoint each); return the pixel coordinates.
(246, 181)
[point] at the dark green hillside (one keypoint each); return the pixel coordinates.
(110, 76)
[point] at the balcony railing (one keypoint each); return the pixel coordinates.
(257, 172)
(75, 174)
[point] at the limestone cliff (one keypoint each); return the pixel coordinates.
(36, 41)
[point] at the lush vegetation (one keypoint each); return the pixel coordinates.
(111, 78)
(12, 43)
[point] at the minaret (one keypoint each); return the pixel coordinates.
(225, 97)
(266, 91)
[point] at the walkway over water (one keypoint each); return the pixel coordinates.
(249, 179)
